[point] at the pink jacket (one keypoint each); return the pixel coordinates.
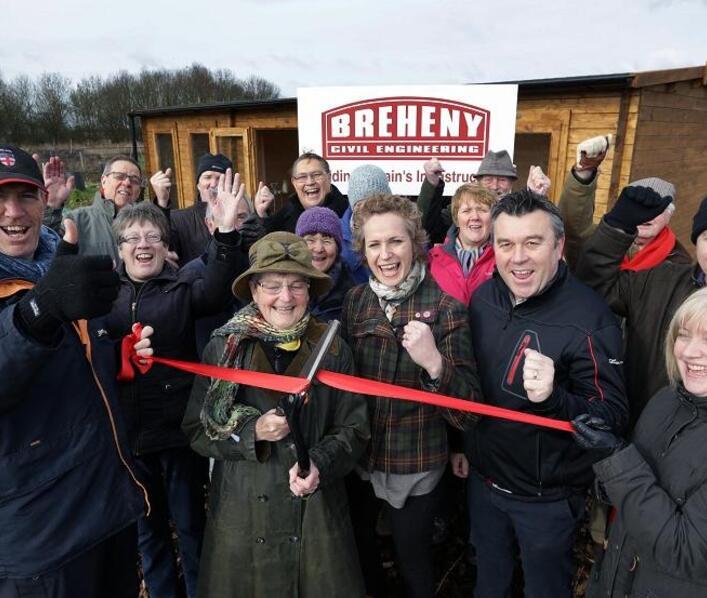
(447, 270)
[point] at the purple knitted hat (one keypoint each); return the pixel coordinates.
(320, 220)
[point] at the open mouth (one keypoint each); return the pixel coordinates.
(15, 231)
(696, 370)
(312, 193)
(522, 275)
(143, 258)
(389, 270)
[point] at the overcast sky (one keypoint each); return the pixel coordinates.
(297, 43)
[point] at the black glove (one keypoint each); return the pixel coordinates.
(252, 230)
(635, 206)
(593, 433)
(74, 288)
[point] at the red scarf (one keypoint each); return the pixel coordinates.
(652, 254)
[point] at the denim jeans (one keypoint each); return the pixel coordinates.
(175, 480)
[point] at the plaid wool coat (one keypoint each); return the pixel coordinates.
(409, 437)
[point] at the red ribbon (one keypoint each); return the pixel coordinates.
(295, 385)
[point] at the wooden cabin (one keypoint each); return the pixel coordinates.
(658, 119)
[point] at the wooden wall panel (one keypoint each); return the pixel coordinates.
(671, 143)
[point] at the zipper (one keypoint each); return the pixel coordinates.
(111, 419)
(538, 462)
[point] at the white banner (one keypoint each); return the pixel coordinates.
(399, 128)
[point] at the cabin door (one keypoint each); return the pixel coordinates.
(234, 143)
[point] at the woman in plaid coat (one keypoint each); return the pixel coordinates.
(404, 330)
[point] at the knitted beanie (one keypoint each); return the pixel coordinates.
(320, 220)
(661, 187)
(365, 181)
(215, 162)
(699, 221)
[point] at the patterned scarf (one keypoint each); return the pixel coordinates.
(221, 415)
(467, 257)
(390, 297)
(31, 270)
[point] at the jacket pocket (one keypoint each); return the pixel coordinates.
(175, 394)
(47, 458)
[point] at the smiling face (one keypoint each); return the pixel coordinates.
(500, 185)
(141, 251)
(527, 253)
(324, 250)
(690, 352)
(21, 211)
(124, 192)
(311, 182)
(474, 222)
(388, 248)
(285, 308)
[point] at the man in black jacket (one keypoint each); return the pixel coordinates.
(548, 345)
(189, 233)
(69, 496)
(311, 178)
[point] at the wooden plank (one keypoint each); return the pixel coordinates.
(595, 120)
(661, 128)
(667, 76)
(675, 101)
(674, 115)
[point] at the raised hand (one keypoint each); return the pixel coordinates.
(538, 375)
(263, 200)
(591, 152)
(59, 186)
(420, 344)
(162, 185)
(635, 206)
(224, 206)
(433, 171)
(538, 181)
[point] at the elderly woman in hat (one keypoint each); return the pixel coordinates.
(269, 531)
(404, 330)
(321, 230)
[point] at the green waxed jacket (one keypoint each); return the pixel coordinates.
(261, 540)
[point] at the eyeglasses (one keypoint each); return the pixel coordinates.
(123, 176)
(327, 241)
(297, 288)
(150, 238)
(317, 177)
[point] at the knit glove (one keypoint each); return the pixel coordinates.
(74, 288)
(635, 206)
(593, 433)
(252, 230)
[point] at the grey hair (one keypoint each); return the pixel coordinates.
(120, 158)
(141, 212)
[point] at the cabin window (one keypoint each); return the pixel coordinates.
(165, 159)
(199, 147)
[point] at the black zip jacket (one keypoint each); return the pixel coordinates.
(286, 218)
(154, 403)
(573, 325)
